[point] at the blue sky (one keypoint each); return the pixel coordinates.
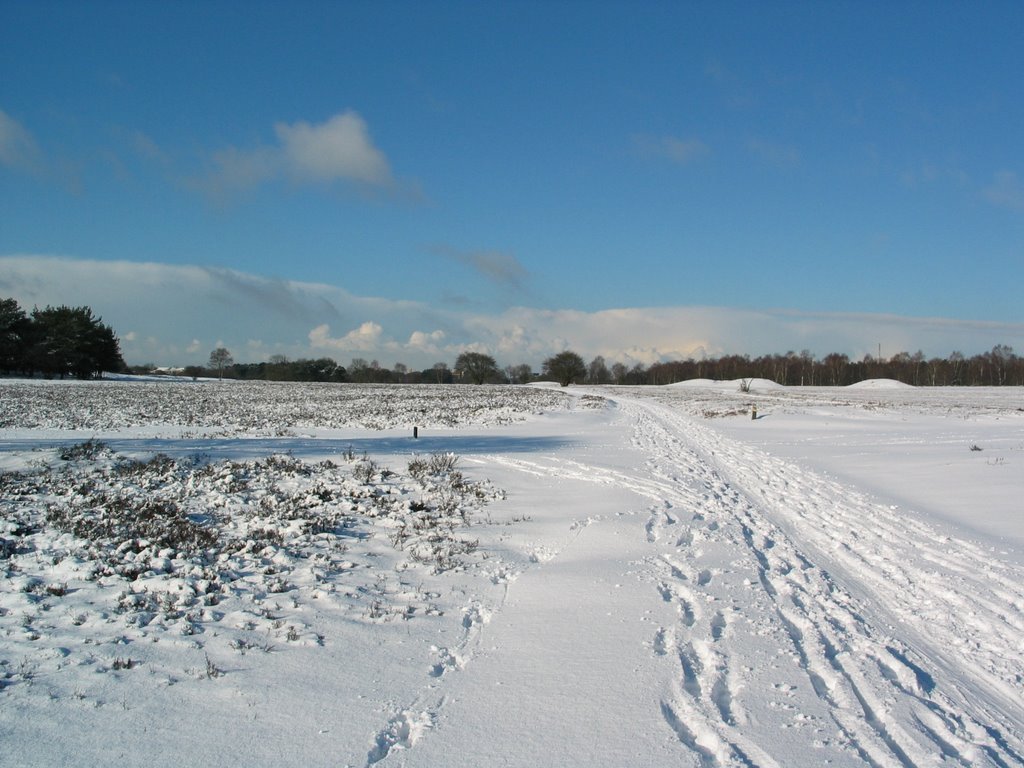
(403, 181)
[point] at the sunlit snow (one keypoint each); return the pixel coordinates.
(281, 574)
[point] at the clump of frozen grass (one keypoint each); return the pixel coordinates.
(365, 471)
(159, 465)
(7, 548)
(418, 468)
(429, 529)
(436, 465)
(443, 463)
(212, 670)
(85, 451)
(104, 517)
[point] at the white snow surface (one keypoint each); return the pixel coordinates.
(727, 384)
(880, 384)
(254, 574)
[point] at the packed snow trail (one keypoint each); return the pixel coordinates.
(762, 614)
(911, 640)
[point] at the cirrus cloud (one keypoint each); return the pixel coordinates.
(498, 267)
(1006, 191)
(18, 148)
(671, 148)
(773, 153)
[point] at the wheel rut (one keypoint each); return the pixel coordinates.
(814, 565)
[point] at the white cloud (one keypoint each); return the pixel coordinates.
(340, 148)
(779, 155)
(426, 343)
(18, 148)
(178, 314)
(237, 169)
(337, 150)
(1006, 191)
(737, 93)
(928, 172)
(365, 338)
(145, 146)
(532, 334)
(676, 150)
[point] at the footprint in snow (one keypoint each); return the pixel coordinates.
(401, 732)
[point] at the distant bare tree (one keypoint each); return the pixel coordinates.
(519, 374)
(619, 373)
(220, 359)
(835, 364)
(1001, 357)
(597, 371)
(359, 370)
(806, 367)
(637, 374)
(956, 364)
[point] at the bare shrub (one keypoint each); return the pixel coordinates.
(365, 471)
(85, 451)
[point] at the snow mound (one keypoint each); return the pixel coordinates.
(695, 383)
(734, 384)
(880, 384)
(760, 384)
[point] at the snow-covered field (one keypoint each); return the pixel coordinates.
(255, 574)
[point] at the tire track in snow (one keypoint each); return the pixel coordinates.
(706, 673)
(876, 689)
(966, 603)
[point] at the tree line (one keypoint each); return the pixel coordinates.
(71, 341)
(470, 367)
(324, 369)
(998, 367)
(56, 342)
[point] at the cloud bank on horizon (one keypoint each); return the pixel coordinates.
(405, 181)
(175, 315)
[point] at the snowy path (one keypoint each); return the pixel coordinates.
(747, 611)
(907, 644)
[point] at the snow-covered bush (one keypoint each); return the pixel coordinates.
(104, 543)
